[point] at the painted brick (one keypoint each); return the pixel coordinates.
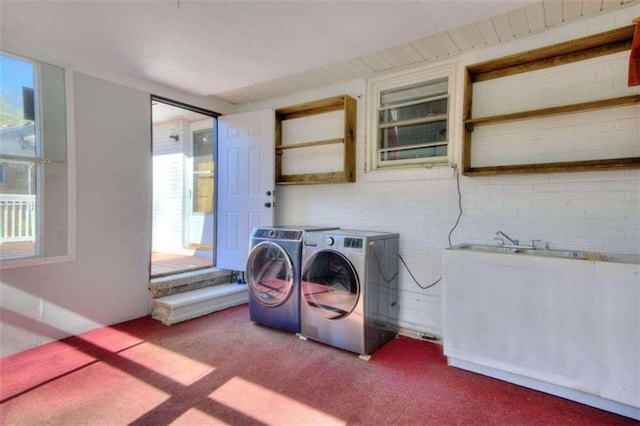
(592, 211)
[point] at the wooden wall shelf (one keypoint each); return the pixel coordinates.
(564, 53)
(338, 103)
(567, 109)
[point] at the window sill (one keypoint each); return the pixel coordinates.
(34, 261)
(437, 171)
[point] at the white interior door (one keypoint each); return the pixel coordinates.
(246, 176)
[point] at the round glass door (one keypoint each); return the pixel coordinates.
(269, 274)
(330, 285)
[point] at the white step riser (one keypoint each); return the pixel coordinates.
(192, 304)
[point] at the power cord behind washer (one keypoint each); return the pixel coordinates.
(449, 237)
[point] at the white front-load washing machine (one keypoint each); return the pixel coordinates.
(273, 275)
(350, 288)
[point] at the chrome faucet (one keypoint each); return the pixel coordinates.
(514, 242)
(532, 243)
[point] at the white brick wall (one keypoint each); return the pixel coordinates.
(594, 79)
(594, 211)
(318, 159)
(610, 133)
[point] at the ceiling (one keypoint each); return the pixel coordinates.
(244, 51)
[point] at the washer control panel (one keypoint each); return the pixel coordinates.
(278, 234)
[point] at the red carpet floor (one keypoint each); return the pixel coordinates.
(223, 369)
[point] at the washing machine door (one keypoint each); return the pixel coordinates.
(330, 285)
(269, 274)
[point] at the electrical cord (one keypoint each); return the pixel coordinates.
(459, 206)
(414, 278)
(449, 237)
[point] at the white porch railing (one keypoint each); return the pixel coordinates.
(17, 218)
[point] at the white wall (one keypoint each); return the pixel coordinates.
(596, 211)
(107, 283)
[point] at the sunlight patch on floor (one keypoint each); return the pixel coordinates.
(142, 396)
(110, 339)
(64, 398)
(193, 416)
(177, 367)
(269, 407)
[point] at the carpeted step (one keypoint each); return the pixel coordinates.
(191, 304)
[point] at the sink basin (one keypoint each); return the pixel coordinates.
(566, 254)
(485, 248)
(569, 254)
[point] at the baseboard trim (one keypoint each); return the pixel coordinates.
(571, 394)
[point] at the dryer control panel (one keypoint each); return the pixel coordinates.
(353, 243)
(334, 241)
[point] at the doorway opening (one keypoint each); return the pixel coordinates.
(184, 141)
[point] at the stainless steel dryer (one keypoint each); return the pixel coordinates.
(350, 288)
(273, 276)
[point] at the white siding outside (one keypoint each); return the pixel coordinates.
(168, 186)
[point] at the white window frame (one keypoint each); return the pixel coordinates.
(375, 86)
(70, 255)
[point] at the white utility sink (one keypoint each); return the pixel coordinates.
(560, 321)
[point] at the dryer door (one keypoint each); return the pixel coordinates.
(330, 285)
(269, 274)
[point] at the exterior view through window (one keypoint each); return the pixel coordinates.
(410, 120)
(184, 152)
(33, 159)
(413, 123)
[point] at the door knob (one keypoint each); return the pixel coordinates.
(267, 204)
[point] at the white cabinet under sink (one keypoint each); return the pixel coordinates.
(563, 326)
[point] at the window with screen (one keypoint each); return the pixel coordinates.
(410, 121)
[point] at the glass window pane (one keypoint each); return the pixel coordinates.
(416, 134)
(17, 107)
(52, 121)
(425, 109)
(414, 92)
(412, 123)
(203, 144)
(18, 210)
(19, 178)
(414, 153)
